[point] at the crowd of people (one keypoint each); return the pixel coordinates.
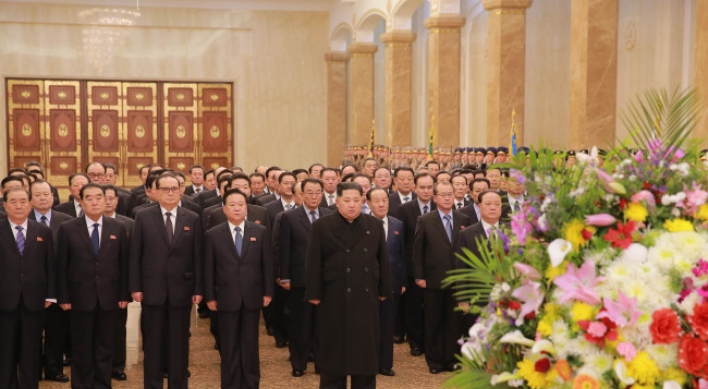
(341, 263)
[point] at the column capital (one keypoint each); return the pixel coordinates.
(446, 23)
(507, 6)
(362, 49)
(337, 56)
(398, 38)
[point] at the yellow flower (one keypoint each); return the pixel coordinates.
(574, 232)
(702, 212)
(678, 225)
(674, 374)
(643, 369)
(585, 381)
(553, 272)
(582, 311)
(534, 379)
(636, 212)
(545, 327)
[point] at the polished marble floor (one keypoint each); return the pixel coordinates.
(411, 372)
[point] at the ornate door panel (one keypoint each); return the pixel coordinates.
(63, 141)
(214, 127)
(105, 125)
(140, 146)
(25, 119)
(180, 118)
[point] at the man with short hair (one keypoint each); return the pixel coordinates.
(273, 190)
(435, 239)
(96, 172)
(477, 186)
(166, 234)
(286, 180)
(209, 180)
(93, 294)
(382, 179)
(433, 167)
(36, 167)
(257, 184)
(459, 185)
(365, 182)
(494, 175)
(73, 206)
(369, 166)
(315, 170)
(196, 178)
(330, 179)
(404, 179)
(346, 281)
(29, 287)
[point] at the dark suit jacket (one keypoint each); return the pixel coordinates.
(123, 206)
(67, 208)
(396, 254)
(274, 208)
(86, 279)
(465, 202)
(292, 244)
(265, 199)
(128, 223)
(189, 190)
(185, 204)
(233, 280)
(323, 203)
(254, 213)
(202, 196)
(164, 270)
(394, 203)
(56, 219)
(433, 253)
(410, 212)
(30, 277)
(468, 239)
(469, 211)
(211, 201)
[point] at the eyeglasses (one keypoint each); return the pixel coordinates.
(174, 189)
(313, 193)
(445, 195)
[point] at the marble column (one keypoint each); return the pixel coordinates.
(701, 71)
(336, 106)
(444, 51)
(398, 87)
(593, 73)
(361, 67)
(506, 67)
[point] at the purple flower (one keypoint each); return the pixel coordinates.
(520, 226)
(517, 175)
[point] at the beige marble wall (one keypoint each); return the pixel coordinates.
(361, 84)
(336, 106)
(506, 48)
(398, 88)
(701, 71)
(419, 109)
(273, 58)
(474, 73)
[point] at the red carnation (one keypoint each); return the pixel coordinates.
(515, 305)
(699, 320)
(693, 355)
(665, 326)
(542, 365)
(586, 234)
(621, 238)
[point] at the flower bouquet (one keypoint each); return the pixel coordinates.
(601, 281)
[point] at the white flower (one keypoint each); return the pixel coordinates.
(689, 302)
(516, 337)
(504, 377)
(543, 345)
(671, 385)
(621, 373)
(632, 178)
(557, 250)
(682, 168)
(665, 355)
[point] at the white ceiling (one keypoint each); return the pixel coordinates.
(267, 5)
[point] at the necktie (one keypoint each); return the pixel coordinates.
(365, 209)
(198, 190)
(448, 227)
(168, 226)
(44, 220)
(405, 199)
(331, 200)
(288, 206)
(313, 216)
(517, 207)
(459, 205)
(20, 240)
(94, 238)
(81, 212)
(238, 240)
(425, 209)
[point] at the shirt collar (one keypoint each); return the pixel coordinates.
(173, 211)
(38, 215)
(13, 225)
(291, 203)
(242, 225)
(401, 196)
(488, 226)
(443, 214)
(90, 223)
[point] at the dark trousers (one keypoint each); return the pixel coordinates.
(21, 345)
(171, 324)
(119, 335)
(92, 348)
(277, 313)
(387, 309)
(240, 366)
(57, 340)
(301, 329)
(335, 381)
(415, 323)
(214, 327)
(442, 325)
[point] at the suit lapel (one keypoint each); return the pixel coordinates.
(83, 232)
(159, 224)
(8, 236)
(31, 238)
(179, 225)
(456, 228)
(225, 229)
(439, 225)
(247, 235)
(305, 219)
(105, 235)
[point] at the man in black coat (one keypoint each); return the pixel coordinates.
(238, 281)
(292, 246)
(28, 287)
(56, 324)
(404, 178)
(165, 275)
(93, 284)
(477, 186)
(433, 256)
(347, 275)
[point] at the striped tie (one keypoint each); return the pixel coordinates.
(20, 237)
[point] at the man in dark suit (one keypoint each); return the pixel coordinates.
(165, 275)
(73, 206)
(222, 184)
(119, 334)
(139, 191)
(477, 186)
(292, 244)
(460, 188)
(214, 215)
(383, 179)
(433, 256)
(91, 292)
(56, 325)
(347, 271)
(286, 201)
(378, 201)
(412, 301)
(272, 176)
(201, 197)
(35, 167)
(28, 283)
(196, 178)
(122, 195)
(330, 179)
(404, 179)
(238, 281)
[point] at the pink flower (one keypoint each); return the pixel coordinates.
(694, 199)
(602, 175)
(520, 226)
(531, 295)
(645, 195)
(702, 384)
(701, 268)
(529, 271)
(578, 284)
(597, 329)
(623, 312)
(600, 220)
(627, 350)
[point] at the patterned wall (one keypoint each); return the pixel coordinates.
(66, 124)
